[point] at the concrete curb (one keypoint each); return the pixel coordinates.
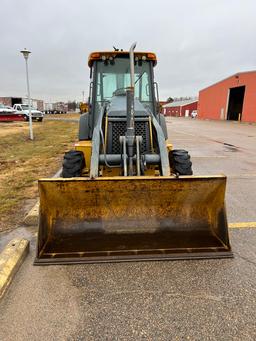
(31, 219)
(11, 259)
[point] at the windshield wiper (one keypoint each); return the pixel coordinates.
(140, 77)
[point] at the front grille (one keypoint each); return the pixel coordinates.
(118, 128)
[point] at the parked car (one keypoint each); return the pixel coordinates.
(55, 112)
(24, 109)
(6, 109)
(9, 114)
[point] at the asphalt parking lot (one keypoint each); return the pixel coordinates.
(168, 300)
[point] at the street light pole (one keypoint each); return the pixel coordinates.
(26, 53)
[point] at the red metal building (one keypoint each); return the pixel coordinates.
(233, 98)
(180, 108)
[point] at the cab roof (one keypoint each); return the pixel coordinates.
(104, 55)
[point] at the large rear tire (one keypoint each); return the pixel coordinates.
(180, 162)
(73, 164)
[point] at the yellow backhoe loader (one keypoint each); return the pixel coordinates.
(125, 194)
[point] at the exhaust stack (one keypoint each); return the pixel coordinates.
(130, 132)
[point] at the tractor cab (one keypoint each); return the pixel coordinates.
(110, 78)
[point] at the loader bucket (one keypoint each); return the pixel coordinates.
(131, 218)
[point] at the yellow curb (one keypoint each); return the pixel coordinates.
(242, 225)
(31, 218)
(11, 259)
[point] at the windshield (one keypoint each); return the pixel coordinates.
(26, 107)
(111, 77)
(2, 106)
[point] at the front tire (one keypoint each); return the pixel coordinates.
(180, 162)
(73, 164)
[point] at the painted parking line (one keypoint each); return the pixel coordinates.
(242, 225)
